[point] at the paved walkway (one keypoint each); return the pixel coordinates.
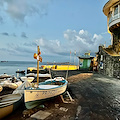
(99, 98)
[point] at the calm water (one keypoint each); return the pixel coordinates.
(11, 67)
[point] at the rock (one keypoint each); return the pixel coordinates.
(27, 112)
(78, 110)
(56, 105)
(41, 115)
(65, 117)
(63, 109)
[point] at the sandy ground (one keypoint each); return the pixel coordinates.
(96, 97)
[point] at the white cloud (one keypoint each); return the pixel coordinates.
(40, 42)
(83, 41)
(49, 46)
(18, 10)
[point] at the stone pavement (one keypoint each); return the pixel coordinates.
(100, 98)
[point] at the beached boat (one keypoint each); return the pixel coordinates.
(2, 76)
(34, 70)
(1, 88)
(30, 75)
(9, 103)
(29, 79)
(11, 84)
(39, 92)
(42, 77)
(20, 71)
(33, 96)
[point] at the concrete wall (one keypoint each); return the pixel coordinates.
(110, 65)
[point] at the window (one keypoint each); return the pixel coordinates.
(101, 57)
(116, 10)
(110, 16)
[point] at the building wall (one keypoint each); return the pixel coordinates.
(108, 65)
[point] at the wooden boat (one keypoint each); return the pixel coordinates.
(10, 84)
(42, 77)
(30, 75)
(9, 103)
(21, 71)
(4, 76)
(33, 96)
(34, 70)
(1, 88)
(29, 79)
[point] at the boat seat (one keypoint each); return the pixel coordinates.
(47, 86)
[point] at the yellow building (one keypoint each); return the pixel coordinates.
(109, 58)
(112, 11)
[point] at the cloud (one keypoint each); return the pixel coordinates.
(5, 34)
(20, 9)
(49, 46)
(83, 41)
(16, 49)
(80, 41)
(23, 35)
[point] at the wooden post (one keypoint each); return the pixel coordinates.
(38, 69)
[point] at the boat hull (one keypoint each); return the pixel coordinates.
(1, 88)
(8, 109)
(35, 97)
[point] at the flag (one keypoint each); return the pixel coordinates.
(75, 52)
(35, 56)
(40, 58)
(70, 51)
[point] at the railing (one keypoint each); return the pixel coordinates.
(112, 18)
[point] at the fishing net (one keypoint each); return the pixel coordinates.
(22, 87)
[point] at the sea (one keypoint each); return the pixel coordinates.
(10, 67)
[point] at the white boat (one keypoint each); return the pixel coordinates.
(44, 75)
(9, 103)
(29, 79)
(30, 75)
(10, 84)
(39, 92)
(4, 76)
(33, 96)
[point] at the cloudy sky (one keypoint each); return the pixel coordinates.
(57, 26)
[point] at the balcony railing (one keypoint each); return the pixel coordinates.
(112, 18)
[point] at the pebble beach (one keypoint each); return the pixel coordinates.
(93, 95)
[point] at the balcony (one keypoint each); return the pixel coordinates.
(114, 20)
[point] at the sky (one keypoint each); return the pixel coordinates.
(57, 26)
